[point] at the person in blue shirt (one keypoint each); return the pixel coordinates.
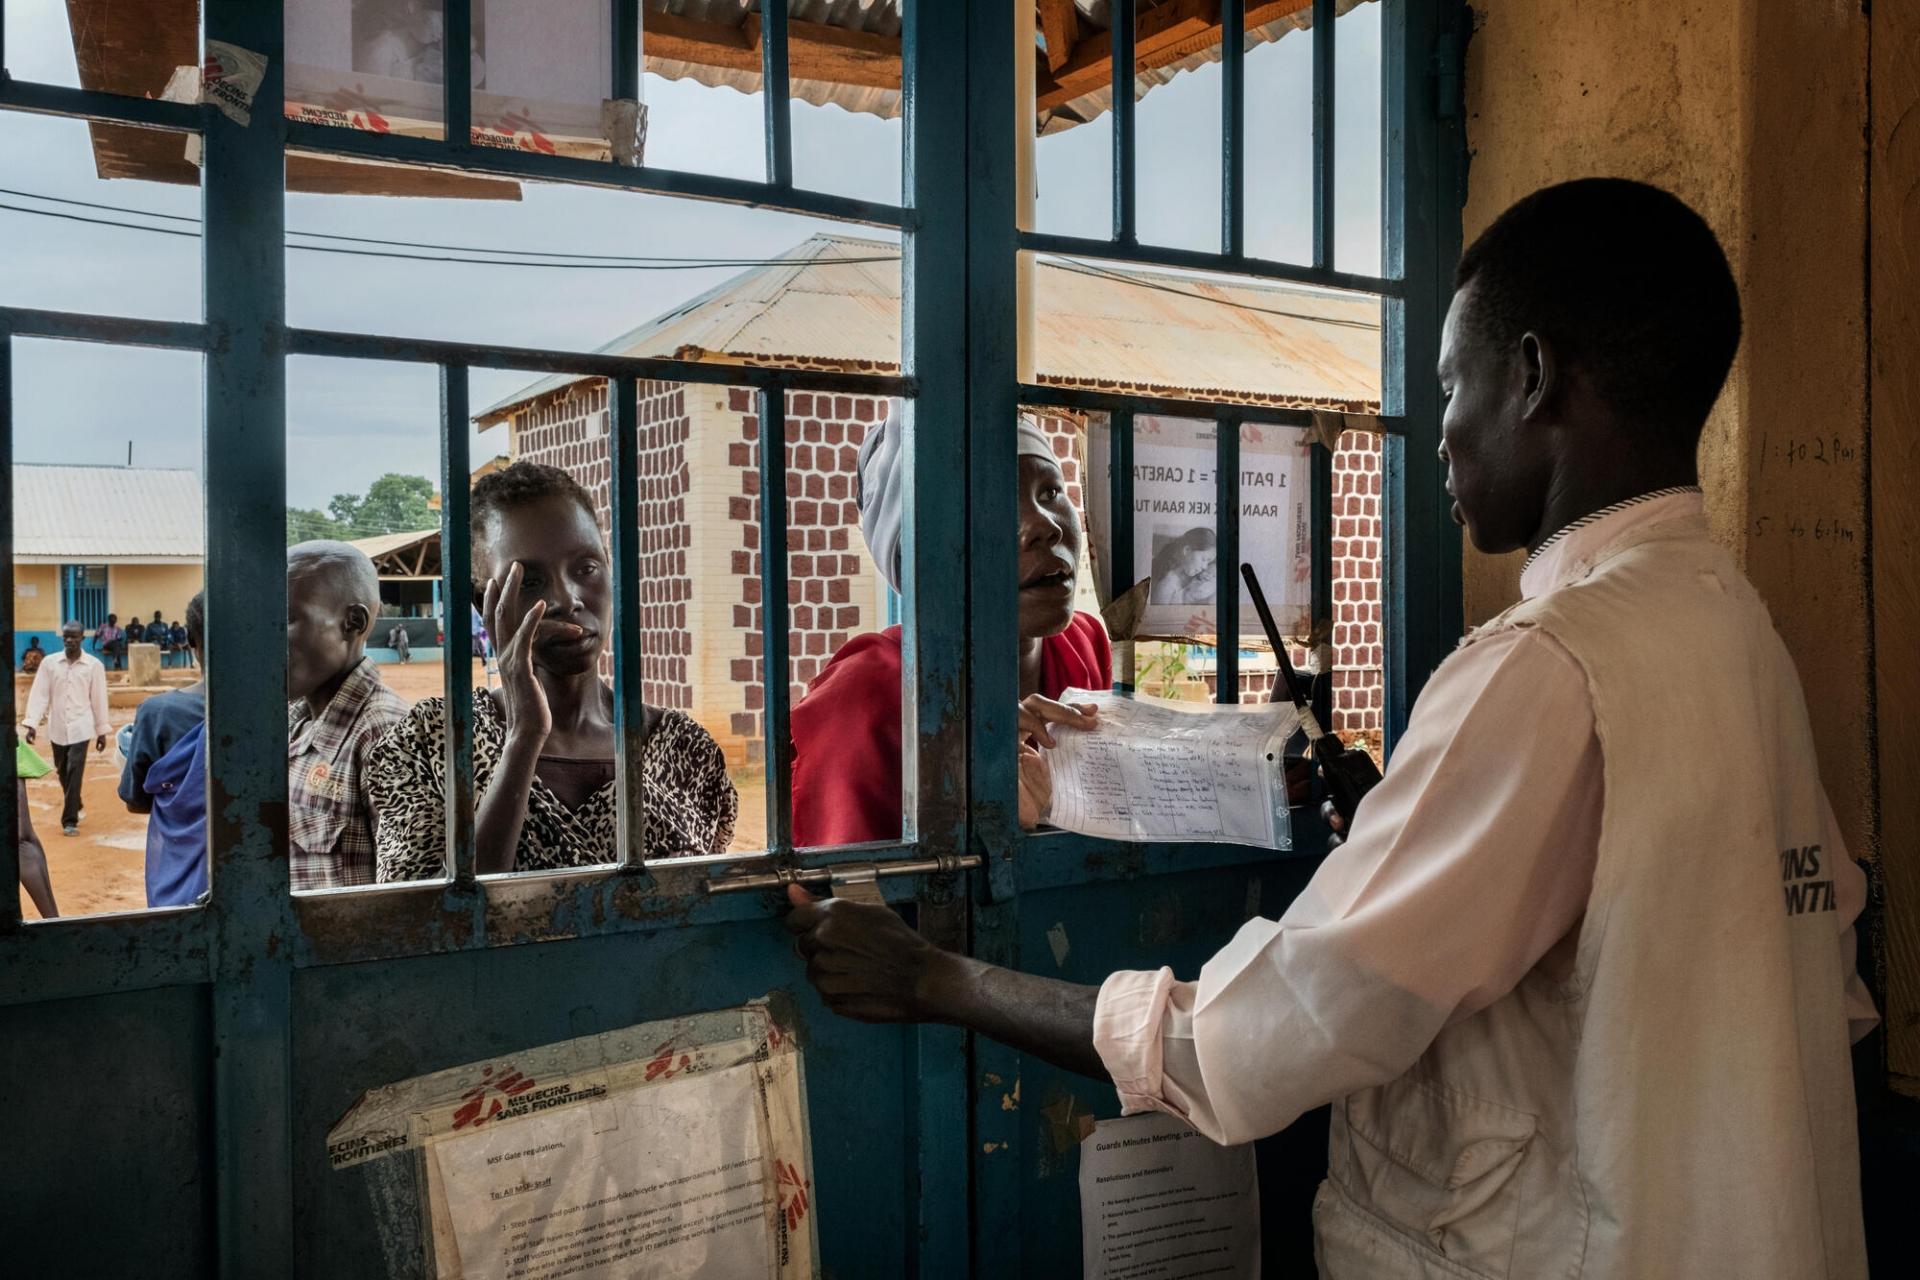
(176, 826)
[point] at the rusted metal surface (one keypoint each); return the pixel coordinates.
(828, 302)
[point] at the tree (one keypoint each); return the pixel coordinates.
(392, 504)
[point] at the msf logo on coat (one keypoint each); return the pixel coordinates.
(1804, 894)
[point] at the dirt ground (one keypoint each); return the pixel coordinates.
(102, 868)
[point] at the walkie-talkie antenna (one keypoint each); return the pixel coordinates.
(1349, 774)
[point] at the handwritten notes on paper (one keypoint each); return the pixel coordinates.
(1161, 770)
(674, 1148)
(1159, 1200)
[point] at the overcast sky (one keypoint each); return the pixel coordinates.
(349, 422)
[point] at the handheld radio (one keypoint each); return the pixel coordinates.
(1349, 773)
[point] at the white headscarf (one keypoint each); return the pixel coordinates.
(881, 483)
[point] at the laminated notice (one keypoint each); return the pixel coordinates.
(675, 1148)
(1162, 770)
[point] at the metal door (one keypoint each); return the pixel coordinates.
(190, 1061)
(1081, 909)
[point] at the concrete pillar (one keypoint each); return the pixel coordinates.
(143, 664)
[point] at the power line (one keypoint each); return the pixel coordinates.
(688, 265)
(409, 244)
(1077, 267)
(612, 262)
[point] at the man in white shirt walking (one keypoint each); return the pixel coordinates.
(69, 696)
(1580, 984)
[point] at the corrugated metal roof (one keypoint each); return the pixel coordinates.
(107, 515)
(1096, 325)
(882, 18)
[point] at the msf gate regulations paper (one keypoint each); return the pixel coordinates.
(1163, 770)
(675, 1149)
(1159, 1200)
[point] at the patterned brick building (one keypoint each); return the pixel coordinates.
(698, 453)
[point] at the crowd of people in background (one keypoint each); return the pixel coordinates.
(366, 772)
(111, 641)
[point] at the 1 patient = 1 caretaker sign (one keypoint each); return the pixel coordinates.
(1176, 522)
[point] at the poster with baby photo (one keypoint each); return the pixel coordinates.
(539, 69)
(1175, 531)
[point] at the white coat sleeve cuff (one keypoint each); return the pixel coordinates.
(1128, 1023)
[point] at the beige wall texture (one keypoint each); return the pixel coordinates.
(36, 597)
(136, 590)
(1757, 113)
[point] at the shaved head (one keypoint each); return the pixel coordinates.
(333, 595)
(338, 572)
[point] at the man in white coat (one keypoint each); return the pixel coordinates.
(1580, 984)
(69, 696)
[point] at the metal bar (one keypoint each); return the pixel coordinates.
(781, 877)
(776, 670)
(9, 815)
(1154, 255)
(91, 104)
(1321, 518)
(1088, 398)
(629, 641)
(626, 49)
(456, 624)
(243, 215)
(1233, 128)
(1323, 172)
(776, 94)
(934, 551)
(1125, 185)
(103, 954)
(1422, 194)
(1120, 573)
(119, 331)
(361, 346)
(456, 71)
(529, 166)
(1226, 521)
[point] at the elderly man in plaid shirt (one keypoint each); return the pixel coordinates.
(337, 709)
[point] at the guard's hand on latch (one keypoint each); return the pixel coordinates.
(864, 960)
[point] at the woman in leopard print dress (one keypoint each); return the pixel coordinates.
(543, 742)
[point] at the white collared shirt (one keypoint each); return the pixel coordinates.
(1470, 860)
(70, 698)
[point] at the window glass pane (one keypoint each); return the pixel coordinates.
(104, 45)
(74, 240)
(1073, 154)
(840, 605)
(587, 269)
(1357, 140)
(539, 68)
(550, 436)
(1210, 336)
(363, 468)
(1177, 122)
(1279, 144)
(1358, 640)
(109, 530)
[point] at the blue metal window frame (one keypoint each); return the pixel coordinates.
(960, 246)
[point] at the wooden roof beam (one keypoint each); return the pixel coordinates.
(1060, 26)
(814, 51)
(1166, 34)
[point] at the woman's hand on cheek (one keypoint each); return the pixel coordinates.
(512, 632)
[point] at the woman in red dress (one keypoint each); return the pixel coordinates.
(846, 731)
